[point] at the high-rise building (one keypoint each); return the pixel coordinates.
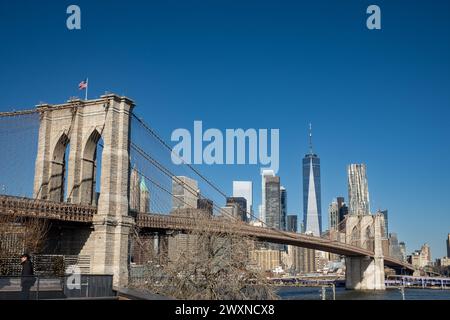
(337, 211)
(283, 196)
(206, 205)
(403, 250)
(241, 202)
(139, 193)
(342, 207)
(273, 202)
(185, 193)
(307, 260)
(421, 258)
(134, 190)
(291, 224)
(312, 211)
(244, 189)
(333, 216)
(262, 209)
(386, 228)
(358, 190)
(448, 246)
(395, 249)
(144, 197)
(266, 259)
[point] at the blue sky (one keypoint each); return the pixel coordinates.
(378, 97)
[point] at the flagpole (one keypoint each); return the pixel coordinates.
(87, 87)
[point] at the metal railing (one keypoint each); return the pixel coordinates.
(49, 287)
(27, 207)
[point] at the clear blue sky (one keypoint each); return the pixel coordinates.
(378, 97)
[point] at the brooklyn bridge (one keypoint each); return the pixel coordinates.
(83, 146)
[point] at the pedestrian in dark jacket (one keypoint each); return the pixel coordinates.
(27, 280)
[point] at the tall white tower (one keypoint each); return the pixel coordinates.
(358, 190)
(262, 209)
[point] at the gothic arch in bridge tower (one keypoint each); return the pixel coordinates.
(355, 236)
(368, 238)
(89, 169)
(58, 169)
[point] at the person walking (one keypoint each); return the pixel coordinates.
(27, 280)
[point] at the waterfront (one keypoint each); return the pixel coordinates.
(314, 293)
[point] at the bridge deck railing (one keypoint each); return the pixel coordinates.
(82, 213)
(46, 209)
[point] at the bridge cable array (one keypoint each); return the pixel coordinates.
(162, 168)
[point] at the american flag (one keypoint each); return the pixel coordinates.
(83, 85)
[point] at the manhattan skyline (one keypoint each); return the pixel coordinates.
(379, 98)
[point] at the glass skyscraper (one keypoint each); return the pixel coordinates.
(312, 211)
(283, 196)
(291, 223)
(273, 202)
(265, 173)
(448, 246)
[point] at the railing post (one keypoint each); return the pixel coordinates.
(324, 293)
(334, 291)
(37, 289)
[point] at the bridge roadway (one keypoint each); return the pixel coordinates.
(159, 222)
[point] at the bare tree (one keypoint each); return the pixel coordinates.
(216, 265)
(18, 235)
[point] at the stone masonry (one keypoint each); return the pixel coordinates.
(81, 124)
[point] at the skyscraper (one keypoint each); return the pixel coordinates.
(342, 207)
(241, 202)
(134, 190)
(206, 205)
(312, 212)
(283, 196)
(386, 225)
(291, 224)
(448, 246)
(333, 216)
(273, 202)
(394, 247)
(244, 189)
(184, 192)
(403, 250)
(358, 190)
(262, 209)
(144, 197)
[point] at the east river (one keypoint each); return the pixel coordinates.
(302, 293)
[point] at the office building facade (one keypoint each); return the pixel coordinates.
(273, 202)
(244, 189)
(241, 204)
(291, 223)
(262, 208)
(358, 190)
(185, 193)
(283, 199)
(448, 246)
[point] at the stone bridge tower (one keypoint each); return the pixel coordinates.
(75, 129)
(365, 273)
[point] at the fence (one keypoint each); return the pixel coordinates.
(45, 287)
(45, 265)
